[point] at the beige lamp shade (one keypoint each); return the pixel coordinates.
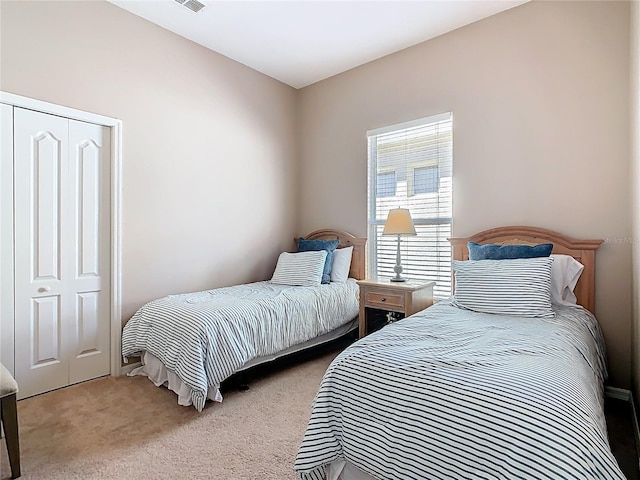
(399, 222)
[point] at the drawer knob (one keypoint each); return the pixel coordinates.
(383, 299)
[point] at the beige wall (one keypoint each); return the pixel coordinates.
(635, 181)
(209, 160)
(540, 102)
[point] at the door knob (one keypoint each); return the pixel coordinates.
(44, 289)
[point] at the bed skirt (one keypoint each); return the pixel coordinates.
(342, 470)
(154, 370)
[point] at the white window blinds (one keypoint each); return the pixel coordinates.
(410, 166)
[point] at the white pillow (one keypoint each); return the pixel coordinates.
(565, 273)
(341, 264)
(300, 269)
(520, 287)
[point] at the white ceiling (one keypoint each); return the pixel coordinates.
(300, 42)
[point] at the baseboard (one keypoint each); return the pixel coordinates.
(126, 369)
(627, 396)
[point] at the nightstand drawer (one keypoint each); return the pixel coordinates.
(384, 300)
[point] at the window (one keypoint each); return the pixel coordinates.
(417, 157)
(426, 179)
(386, 184)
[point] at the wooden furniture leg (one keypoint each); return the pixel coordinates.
(9, 410)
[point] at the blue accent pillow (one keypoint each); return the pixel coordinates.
(507, 252)
(315, 245)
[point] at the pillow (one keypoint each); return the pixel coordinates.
(565, 273)
(519, 287)
(328, 245)
(341, 264)
(299, 269)
(491, 251)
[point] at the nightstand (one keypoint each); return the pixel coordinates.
(406, 298)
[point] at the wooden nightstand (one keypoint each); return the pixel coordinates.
(403, 297)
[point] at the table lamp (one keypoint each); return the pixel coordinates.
(398, 223)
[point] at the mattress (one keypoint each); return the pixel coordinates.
(450, 393)
(204, 337)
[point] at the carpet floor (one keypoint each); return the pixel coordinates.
(126, 428)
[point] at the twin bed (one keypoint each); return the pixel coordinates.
(192, 342)
(452, 392)
(456, 393)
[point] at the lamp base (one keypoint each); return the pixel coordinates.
(398, 268)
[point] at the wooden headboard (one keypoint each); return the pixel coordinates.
(358, 266)
(581, 250)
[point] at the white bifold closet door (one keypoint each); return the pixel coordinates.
(61, 251)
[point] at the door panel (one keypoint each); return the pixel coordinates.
(46, 328)
(90, 154)
(88, 324)
(41, 218)
(88, 166)
(46, 205)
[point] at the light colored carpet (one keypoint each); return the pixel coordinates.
(126, 428)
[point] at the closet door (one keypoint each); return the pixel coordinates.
(62, 278)
(90, 155)
(42, 226)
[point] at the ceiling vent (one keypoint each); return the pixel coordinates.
(193, 5)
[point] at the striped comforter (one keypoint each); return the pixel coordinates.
(454, 394)
(205, 337)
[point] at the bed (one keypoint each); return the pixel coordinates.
(456, 393)
(192, 342)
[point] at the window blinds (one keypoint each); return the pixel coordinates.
(418, 156)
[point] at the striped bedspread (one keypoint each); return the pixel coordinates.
(454, 394)
(205, 337)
